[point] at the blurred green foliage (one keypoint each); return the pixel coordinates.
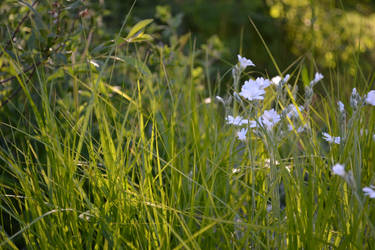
(330, 32)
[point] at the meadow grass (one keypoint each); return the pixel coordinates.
(139, 156)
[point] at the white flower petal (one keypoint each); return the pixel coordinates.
(331, 139)
(369, 191)
(238, 120)
(341, 106)
(269, 118)
(276, 80)
(241, 135)
(317, 78)
(339, 170)
(370, 98)
(244, 62)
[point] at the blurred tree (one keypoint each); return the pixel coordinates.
(227, 20)
(332, 30)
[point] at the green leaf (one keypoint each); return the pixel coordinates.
(140, 38)
(138, 27)
(305, 76)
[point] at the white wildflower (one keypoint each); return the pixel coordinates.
(369, 191)
(370, 98)
(252, 124)
(238, 120)
(331, 139)
(244, 62)
(278, 80)
(269, 118)
(263, 83)
(317, 78)
(252, 91)
(355, 99)
(341, 106)
(242, 134)
(286, 78)
(339, 170)
(236, 170)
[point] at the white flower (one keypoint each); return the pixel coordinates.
(370, 98)
(369, 191)
(207, 100)
(242, 134)
(238, 120)
(244, 62)
(286, 78)
(252, 124)
(355, 98)
(263, 83)
(373, 137)
(331, 139)
(254, 89)
(293, 112)
(341, 106)
(317, 78)
(278, 80)
(339, 170)
(236, 170)
(269, 118)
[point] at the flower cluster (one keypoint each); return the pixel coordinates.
(254, 90)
